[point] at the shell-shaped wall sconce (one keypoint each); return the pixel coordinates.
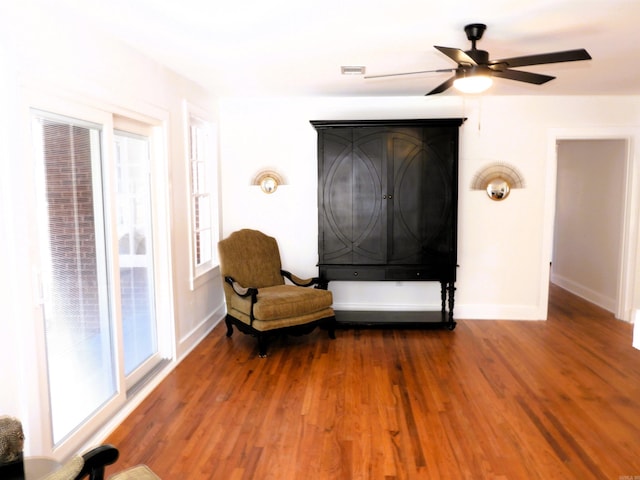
(268, 180)
(497, 179)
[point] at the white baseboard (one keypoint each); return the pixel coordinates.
(500, 312)
(587, 293)
(195, 335)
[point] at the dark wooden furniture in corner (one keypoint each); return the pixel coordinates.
(387, 205)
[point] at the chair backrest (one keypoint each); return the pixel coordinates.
(11, 439)
(251, 258)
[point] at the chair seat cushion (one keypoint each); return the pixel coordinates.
(68, 471)
(140, 472)
(284, 301)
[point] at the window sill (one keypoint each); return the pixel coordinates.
(205, 277)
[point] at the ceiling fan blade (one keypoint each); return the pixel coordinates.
(410, 73)
(520, 76)
(540, 59)
(442, 87)
(457, 55)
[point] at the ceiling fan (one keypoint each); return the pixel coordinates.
(475, 69)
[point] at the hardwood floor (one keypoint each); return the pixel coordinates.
(491, 400)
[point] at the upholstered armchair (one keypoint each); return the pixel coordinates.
(260, 301)
(89, 466)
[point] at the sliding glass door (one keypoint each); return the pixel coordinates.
(95, 227)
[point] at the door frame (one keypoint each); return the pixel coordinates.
(627, 266)
(35, 96)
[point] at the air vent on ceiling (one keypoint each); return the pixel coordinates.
(352, 70)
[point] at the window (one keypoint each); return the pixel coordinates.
(202, 152)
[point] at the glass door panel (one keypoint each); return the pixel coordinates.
(78, 333)
(135, 250)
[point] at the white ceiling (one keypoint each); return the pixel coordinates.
(296, 47)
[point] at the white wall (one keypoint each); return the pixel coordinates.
(57, 58)
(503, 249)
(589, 214)
(12, 362)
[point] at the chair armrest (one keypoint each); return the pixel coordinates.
(244, 292)
(240, 290)
(95, 461)
(12, 470)
(305, 282)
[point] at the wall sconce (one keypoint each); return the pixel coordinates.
(268, 180)
(473, 80)
(497, 179)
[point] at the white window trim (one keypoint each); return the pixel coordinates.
(200, 274)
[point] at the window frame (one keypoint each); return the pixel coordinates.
(127, 126)
(195, 116)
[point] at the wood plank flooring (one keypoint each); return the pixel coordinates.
(491, 400)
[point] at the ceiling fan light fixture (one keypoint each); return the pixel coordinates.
(477, 83)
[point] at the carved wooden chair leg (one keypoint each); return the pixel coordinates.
(229, 326)
(331, 328)
(262, 345)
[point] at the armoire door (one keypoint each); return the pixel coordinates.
(423, 182)
(352, 210)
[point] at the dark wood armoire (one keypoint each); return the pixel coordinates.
(388, 203)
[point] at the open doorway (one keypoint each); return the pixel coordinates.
(588, 229)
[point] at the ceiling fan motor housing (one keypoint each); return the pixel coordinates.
(473, 71)
(474, 31)
(481, 57)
